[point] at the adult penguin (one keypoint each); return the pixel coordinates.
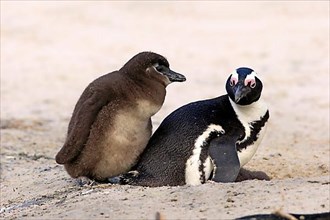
(206, 140)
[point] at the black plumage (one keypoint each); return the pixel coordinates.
(207, 129)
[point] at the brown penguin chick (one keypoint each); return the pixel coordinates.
(111, 123)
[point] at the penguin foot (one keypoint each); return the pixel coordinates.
(115, 180)
(85, 181)
(246, 174)
(124, 178)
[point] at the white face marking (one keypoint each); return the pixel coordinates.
(251, 78)
(192, 172)
(246, 115)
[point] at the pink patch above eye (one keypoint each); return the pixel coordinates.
(233, 81)
(250, 81)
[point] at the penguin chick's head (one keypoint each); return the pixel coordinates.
(243, 86)
(153, 66)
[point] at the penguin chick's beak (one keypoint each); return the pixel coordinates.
(241, 92)
(173, 76)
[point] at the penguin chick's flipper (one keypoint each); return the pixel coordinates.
(86, 111)
(223, 152)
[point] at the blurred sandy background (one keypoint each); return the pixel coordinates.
(51, 50)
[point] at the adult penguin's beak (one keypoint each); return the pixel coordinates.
(241, 92)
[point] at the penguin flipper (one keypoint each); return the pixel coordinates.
(85, 113)
(223, 152)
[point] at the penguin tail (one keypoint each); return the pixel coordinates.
(67, 153)
(60, 159)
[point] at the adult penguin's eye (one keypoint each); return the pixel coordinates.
(253, 84)
(250, 82)
(233, 81)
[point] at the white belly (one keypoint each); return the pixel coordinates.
(192, 173)
(247, 153)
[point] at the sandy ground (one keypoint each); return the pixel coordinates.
(51, 50)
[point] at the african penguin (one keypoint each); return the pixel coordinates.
(206, 140)
(111, 122)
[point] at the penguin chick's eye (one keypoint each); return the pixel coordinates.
(159, 67)
(250, 81)
(233, 81)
